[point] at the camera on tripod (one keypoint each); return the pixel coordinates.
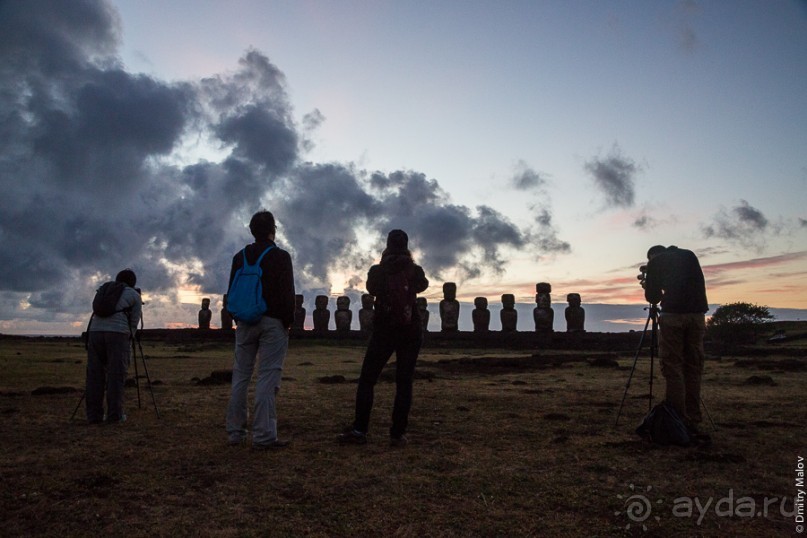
(642, 276)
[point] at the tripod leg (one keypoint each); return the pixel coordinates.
(712, 422)
(148, 378)
(653, 354)
(77, 406)
(633, 369)
(137, 375)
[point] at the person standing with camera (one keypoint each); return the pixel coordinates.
(265, 338)
(674, 279)
(117, 309)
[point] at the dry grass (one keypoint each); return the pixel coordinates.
(495, 450)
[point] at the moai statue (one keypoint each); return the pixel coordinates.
(205, 314)
(449, 309)
(423, 305)
(481, 315)
(575, 314)
(226, 318)
(321, 314)
(509, 314)
(366, 314)
(299, 313)
(543, 314)
(343, 316)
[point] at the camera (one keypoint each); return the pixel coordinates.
(642, 276)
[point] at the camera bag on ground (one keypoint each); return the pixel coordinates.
(245, 301)
(106, 299)
(664, 426)
(398, 301)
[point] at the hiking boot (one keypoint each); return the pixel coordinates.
(236, 440)
(352, 437)
(398, 442)
(271, 445)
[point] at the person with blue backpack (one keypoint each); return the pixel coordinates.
(260, 298)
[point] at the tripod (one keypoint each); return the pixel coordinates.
(135, 340)
(652, 317)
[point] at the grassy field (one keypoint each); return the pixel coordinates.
(501, 444)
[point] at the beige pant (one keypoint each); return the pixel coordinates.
(681, 343)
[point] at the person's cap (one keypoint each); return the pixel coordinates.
(397, 239)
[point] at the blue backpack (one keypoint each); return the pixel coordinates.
(245, 301)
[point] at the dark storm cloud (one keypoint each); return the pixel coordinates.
(319, 211)
(323, 207)
(743, 224)
(525, 178)
(446, 235)
(544, 238)
(614, 176)
(803, 222)
(90, 183)
(85, 191)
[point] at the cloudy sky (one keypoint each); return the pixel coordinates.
(516, 142)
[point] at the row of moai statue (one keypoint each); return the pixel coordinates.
(542, 314)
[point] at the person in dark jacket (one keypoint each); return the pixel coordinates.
(267, 340)
(108, 353)
(674, 280)
(394, 330)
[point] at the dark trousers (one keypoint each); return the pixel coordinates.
(405, 342)
(107, 362)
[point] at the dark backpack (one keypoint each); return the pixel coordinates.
(245, 301)
(664, 426)
(106, 299)
(399, 299)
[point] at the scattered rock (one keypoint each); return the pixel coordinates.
(556, 416)
(306, 363)
(332, 379)
(218, 377)
(604, 362)
(761, 380)
(40, 391)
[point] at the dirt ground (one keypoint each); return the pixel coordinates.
(502, 443)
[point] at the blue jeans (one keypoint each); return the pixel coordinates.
(107, 361)
(267, 341)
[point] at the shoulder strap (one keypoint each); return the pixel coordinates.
(270, 247)
(257, 263)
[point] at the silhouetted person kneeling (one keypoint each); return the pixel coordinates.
(394, 283)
